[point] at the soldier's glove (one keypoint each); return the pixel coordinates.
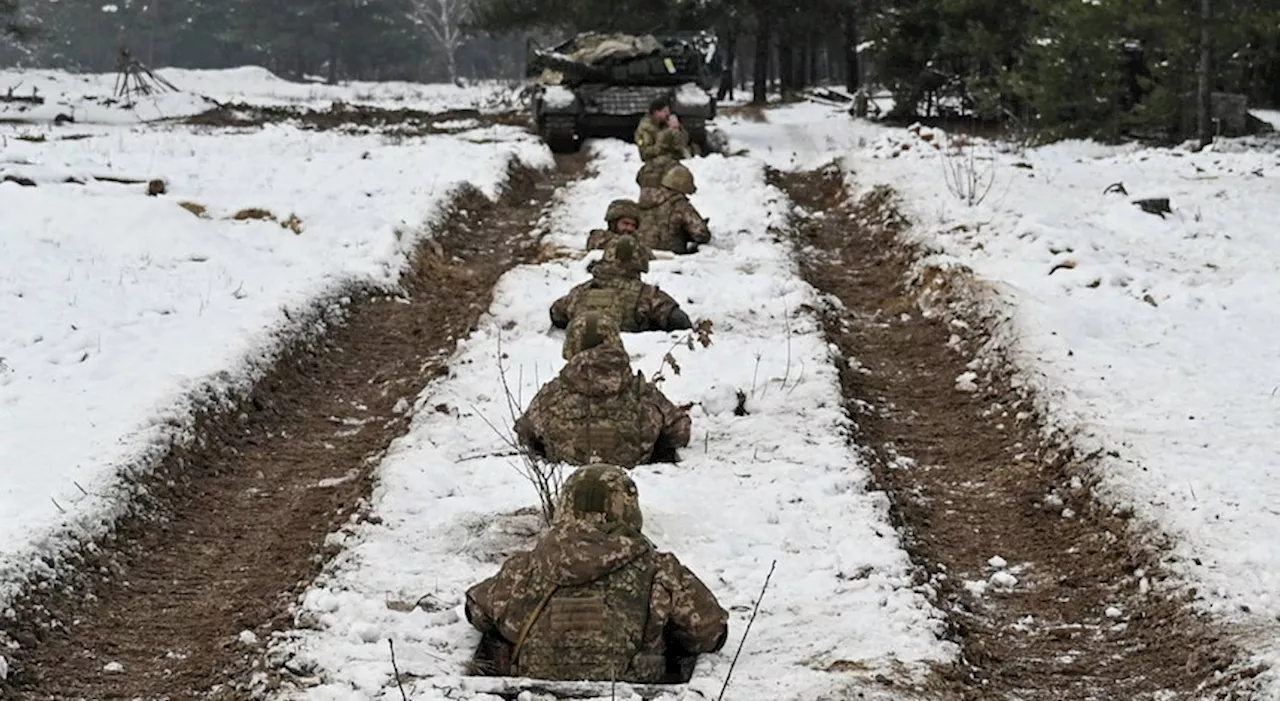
(679, 321)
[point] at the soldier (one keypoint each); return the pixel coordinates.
(594, 599)
(596, 409)
(669, 222)
(649, 178)
(616, 291)
(621, 217)
(659, 133)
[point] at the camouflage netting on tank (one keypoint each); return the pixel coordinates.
(592, 49)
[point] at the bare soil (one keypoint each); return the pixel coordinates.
(1088, 616)
(230, 528)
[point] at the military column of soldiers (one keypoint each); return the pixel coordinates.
(594, 599)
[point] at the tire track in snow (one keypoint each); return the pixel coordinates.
(174, 602)
(1048, 593)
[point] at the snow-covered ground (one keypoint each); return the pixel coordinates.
(780, 483)
(90, 97)
(1155, 337)
(117, 306)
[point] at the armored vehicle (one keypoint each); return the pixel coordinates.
(600, 85)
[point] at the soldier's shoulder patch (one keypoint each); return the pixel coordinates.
(642, 139)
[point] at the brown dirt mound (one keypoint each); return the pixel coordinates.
(229, 528)
(1087, 617)
(350, 117)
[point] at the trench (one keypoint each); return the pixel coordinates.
(229, 528)
(1076, 607)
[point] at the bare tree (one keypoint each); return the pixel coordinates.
(444, 20)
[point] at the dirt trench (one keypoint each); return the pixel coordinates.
(353, 117)
(231, 528)
(971, 476)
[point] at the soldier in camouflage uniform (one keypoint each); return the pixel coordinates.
(621, 217)
(597, 409)
(617, 292)
(659, 133)
(668, 221)
(594, 599)
(649, 178)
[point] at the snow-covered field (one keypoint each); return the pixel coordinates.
(1158, 338)
(118, 307)
(90, 97)
(780, 483)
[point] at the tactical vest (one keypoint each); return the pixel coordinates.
(610, 428)
(615, 298)
(658, 230)
(594, 631)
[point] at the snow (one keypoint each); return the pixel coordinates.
(89, 97)
(558, 97)
(121, 309)
(692, 95)
(784, 482)
(1156, 338)
(1271, 117)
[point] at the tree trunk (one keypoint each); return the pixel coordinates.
(786, 65)
(1205, 112)
(852, 71)
(760, 69)
(729, 53)
(815, 53)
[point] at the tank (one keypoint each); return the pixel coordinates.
(600, 85)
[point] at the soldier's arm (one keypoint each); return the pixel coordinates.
(694, 225)
(648, 141)
(597, 239)
(677, 427)
(698, 623)
(662, 311)
(560, 311)
(487, 601)
(527, 432)
(674, 142)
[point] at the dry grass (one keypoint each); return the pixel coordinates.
(195, 208)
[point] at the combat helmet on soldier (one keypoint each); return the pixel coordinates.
(624, 256)
(587, 331)
(601, 494)
(679, 178)
(619, 210)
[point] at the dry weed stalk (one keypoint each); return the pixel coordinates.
(545, 476)
(966, 178)
(700, 333)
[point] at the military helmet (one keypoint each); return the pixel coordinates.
(621, 209)
(650, 174)
(622, 256)
(601, 493)
(588, 331)
(679, 178)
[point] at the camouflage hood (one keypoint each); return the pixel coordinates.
(576, 551)
(602, 371)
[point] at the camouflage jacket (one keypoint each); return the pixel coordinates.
(596, 406)
(599, 239)
(632, 304)
(668, 222)
(596, 601)
(655, 138)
